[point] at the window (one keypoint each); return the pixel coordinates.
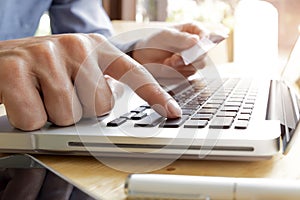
(220, 11)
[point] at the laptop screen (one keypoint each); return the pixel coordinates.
(291, 76)
(291, 72)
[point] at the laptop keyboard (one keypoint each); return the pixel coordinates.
(216, 105)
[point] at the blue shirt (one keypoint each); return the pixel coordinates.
(20, 18)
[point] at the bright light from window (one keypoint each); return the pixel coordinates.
(204, 11)
(44, 26)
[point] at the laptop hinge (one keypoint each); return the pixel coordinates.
(282, 106)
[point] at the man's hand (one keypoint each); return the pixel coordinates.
(60, 78)
(163, 49)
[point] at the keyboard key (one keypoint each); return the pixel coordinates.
(235, 100)
(215, 101)
(226, 114)
(116, 122)
(250, 101)
(215, 106)
(195, 102)
(207, 111)
(230, 109)
(205, 94)
(139, 109)
(234, 104)
(201, 99)
(146, 106)
(128, 115)
(221, 122)
(218, 98)
(244, 117)
(150, 121)
(195, 124)
(202, 117)
(138, 116)
(246, 111)
(241, 124)
(239, 93)
(237, 96)
(252, 95)
(248, 106)
(191, 107)
(174, 123)
(187, 111)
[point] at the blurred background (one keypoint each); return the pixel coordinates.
(130, 14)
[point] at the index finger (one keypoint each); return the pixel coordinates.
(123, 68)
(142, 82)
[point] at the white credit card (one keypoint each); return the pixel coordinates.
(203, 46)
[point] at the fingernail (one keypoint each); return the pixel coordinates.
(173, 109)
(179, 62)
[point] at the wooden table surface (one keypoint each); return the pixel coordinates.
(108, 183)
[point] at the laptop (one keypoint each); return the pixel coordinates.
(224, 118)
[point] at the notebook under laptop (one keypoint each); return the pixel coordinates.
(223, 118)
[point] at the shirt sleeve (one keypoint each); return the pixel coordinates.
(79, 16)
(84, 16)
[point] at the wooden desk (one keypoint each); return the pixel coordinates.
(108, 183)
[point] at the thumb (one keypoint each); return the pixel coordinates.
(171, 40)
(176, 41)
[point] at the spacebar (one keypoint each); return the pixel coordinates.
(150, 121)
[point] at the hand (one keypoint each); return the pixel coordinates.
(60, 78)
(162, 49)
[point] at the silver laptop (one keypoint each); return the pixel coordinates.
(223, 118)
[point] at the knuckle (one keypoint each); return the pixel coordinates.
(70, 39)
(75, 44)
(12, 66)
(29, 123)
(44, 53)
(45, 48)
